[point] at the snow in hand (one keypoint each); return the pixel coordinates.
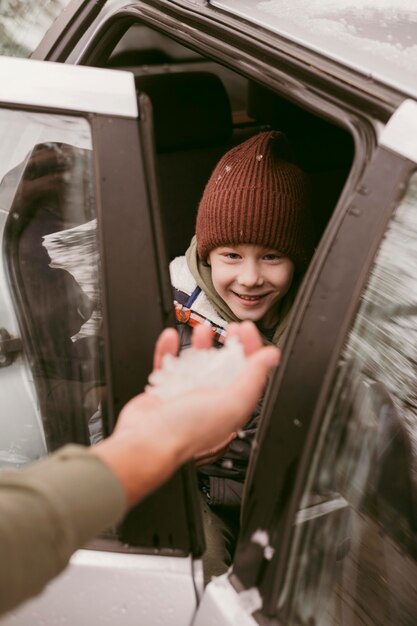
(197, 368)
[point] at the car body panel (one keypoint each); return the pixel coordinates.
(98, 91)
(221, 604)
(399, 135)
(107, 587)
(81, 101)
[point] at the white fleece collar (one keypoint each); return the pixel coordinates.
(183, 280)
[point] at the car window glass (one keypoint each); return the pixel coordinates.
(354, 556)
(49, 287)
(23, 23)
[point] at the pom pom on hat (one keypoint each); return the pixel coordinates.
(257, 195)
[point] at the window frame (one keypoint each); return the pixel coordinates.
(364, 454)
(63, 34)
(292, 422)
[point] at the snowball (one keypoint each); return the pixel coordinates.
(214, 367)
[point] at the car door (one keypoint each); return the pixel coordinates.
(329, 521)
(288, 439)
(84, 294)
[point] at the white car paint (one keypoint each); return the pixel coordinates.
(400, 132)
(95, 90)
(109, 588)
(223, 606)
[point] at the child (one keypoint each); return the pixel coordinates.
(251, 246)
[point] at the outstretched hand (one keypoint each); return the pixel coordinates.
(153, 437)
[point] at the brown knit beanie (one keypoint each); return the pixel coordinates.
(256, 195)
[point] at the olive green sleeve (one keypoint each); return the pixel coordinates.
(47, 511)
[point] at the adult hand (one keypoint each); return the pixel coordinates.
(250, 341)
(153, 437)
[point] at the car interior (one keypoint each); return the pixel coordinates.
(211, 109)
(200, 110)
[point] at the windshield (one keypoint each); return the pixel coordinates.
(375, 37)
(23, 24)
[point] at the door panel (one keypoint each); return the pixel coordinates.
(110, 588)
(289, 431)
(366, 455)
(82, 295)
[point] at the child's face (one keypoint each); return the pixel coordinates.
(251, 280)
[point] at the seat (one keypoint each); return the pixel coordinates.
(324, 151)
(193, 129)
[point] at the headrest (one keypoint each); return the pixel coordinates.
(317, 144)
(190, 109)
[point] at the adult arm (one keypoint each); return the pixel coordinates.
(53, 507)
(47, 511)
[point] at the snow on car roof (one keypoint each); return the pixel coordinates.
(377, 38)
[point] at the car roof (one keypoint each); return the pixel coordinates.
(377, 38)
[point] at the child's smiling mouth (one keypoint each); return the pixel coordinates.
(250, 299)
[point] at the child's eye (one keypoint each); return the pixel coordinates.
(271, 257)
(233, 256)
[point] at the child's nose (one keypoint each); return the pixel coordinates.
(249, 275)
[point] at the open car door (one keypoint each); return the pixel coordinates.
(84, 293)
(329, 522)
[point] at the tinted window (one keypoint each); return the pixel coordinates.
(355, 550)
(49, 284)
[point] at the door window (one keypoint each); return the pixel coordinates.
(354, 556)
(50, 295)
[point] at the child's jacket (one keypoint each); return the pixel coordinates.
(196, 301)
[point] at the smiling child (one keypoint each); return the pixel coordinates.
(251, 247)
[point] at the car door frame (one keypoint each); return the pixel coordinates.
(127, 213)
(63, 33)
(292, 421)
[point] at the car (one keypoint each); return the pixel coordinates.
(109, 132)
